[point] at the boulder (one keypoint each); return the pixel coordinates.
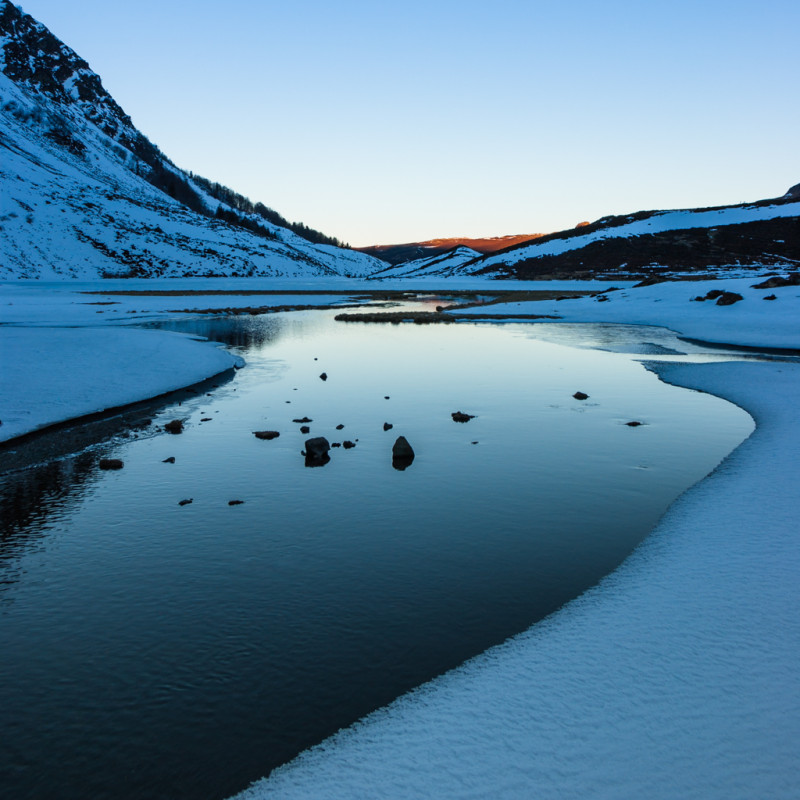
(460, 416)
(387, 426)
(111, 463)
(339, 427)
(348, 445)
(402, 454)
(170, 460)
(185, 502)
(581, 396)
(729, 298)
(324, 376)
(317, 451)
(303, 420)
(304, 429)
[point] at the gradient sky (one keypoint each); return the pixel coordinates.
(394, 122)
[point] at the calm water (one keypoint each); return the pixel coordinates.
(153, 650)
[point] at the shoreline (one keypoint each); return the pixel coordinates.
(674, 676)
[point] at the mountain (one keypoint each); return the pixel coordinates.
(440, 265)
(652, 244)
(411, 251)
(85, 194)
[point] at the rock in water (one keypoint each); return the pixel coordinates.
(317, 451)
(174, 426)
(402, 453)
(111, 463)
(581, 396)
(348, 445)
(460, 416)
(729, 298)
(185, 502)
(387, 426)
(169, 460)
(324, 376)
(266, 434)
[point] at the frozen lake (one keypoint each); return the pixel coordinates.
(151, 649)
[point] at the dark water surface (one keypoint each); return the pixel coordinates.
(151, 650)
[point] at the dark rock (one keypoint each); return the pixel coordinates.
(601, 298)
(235, 502)
(581, 396)
(206, 419)
(729, 298)
(110, 463)
(714, 294)
(473, 443)
(460, 416)
(174, 426)
(324, 376)
(402, 454)
(387, 426)
(303, 420)
(317, 451)
(770, 297)
(339, 427)
(336, 444)
(170, 460)
(348, 444)
(386, 397)
(776, 281)
(304, 429)
(266, 434)
(185, 502)
(634, 424)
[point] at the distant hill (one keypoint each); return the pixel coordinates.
(85, 193)
(411, 251)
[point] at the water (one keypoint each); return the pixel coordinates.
(157, 650)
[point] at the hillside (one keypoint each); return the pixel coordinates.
(416, 251)
(85, 194)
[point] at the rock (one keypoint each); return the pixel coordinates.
(777, 281)
(729, 298)
(185, 502)
(634, 423)
(317, 451)
(770, 297)
(174, 426)
(303, 420)
(206, 419)
(387, 426)
(304, 429)
(170, 460)
(110, 463)
(266, 434)
(601, 298)
(339, 427)
(714, 294)
(348, 444)
(336, 444)
(324, 376)
(402, 454)
(386, 397)
(460, 416)
(235, 502)
(581, 396)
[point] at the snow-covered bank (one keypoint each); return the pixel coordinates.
(675, 677)
(54, 374)
(753, 321)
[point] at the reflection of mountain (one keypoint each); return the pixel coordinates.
(241, 331)
(29, 497)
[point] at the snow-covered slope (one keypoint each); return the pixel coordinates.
(84, 193)
(441, 265)
(689, 240)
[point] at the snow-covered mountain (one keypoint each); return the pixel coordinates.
(656, 243)
(85, 194)
(416, 251)
(439, 265)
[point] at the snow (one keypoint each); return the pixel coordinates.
(751, 322)
(52, 374)
(655, 223)
(443, 264)
(675, 676)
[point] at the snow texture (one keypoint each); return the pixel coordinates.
(441, 265)
(54, 374)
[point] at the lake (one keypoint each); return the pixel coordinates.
(151, 649)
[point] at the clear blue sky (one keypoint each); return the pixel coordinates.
(393, 122)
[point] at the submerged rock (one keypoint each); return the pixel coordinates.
(402, 454)
(110, 463)
(303, 420)
(185, 502)
(235, 502)
(460, 416)
(170, 460)
(634, 423)
(266, 434)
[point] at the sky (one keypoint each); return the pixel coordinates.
(383, 123)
